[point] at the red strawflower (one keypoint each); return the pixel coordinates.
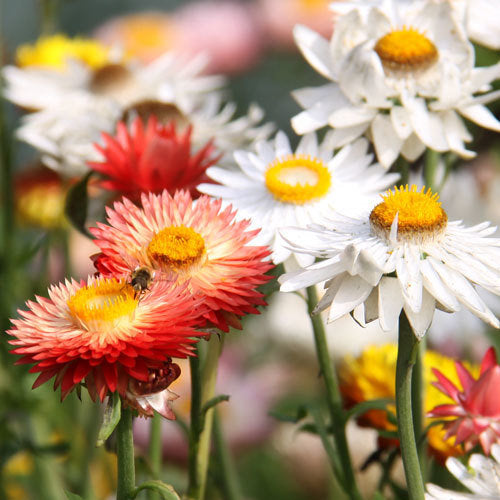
(102, 332)
(151, 159)
(477, 405)
(183, 240)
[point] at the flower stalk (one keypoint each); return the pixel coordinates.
(125, 453)
(334, 398)
(155, 451)
(203, 381)
(408, 347)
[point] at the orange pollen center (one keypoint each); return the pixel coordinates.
(406, 50)
(420, 216)
(298, 179)
(176, 248)
(103, 306)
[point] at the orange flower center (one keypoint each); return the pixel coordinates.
(406, 50)
(298, 179)
(420, 216)
(103, 306)
(176, 248)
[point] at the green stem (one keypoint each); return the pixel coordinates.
(430, 168)
(209, 378)
(403, 168)
(229, 475)
(202, 390)
(407, 355)
(334, 398)
(155, 451)
(195, 426)
(417, 403)
(125, 452)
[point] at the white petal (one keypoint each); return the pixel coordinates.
(385, 139)
(314, 48)
(412, 148)
(390, 303)
(421, 321)
(352, 292)
(426, 124)
(482, 116)
(290, 282)
(351, 116)
(408, 272)
(361, 262)
(401, 121)
(436, 287)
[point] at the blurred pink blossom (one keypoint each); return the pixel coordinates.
(280, 16)
(227, 31)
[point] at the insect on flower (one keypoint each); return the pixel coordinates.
(140, 279)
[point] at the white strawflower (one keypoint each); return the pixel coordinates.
(277, 187)
(403, 74)
(404, 254)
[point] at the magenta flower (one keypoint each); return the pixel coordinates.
(477, 408)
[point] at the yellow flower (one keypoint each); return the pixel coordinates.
(54, 51)
(372, 376)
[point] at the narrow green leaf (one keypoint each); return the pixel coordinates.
(166, 491)
(300, 414)
(363, 407)
(112, 415)
(214, 402)
(76, 205)
(328, 445)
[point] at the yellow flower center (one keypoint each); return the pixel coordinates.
(298, 179)
(420, 216)
(406, 50)
(54, 52)
(103, 306)
(176, 248)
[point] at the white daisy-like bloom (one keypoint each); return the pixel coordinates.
(277, 187)
(478, 16)
(403, 255)
(401, 73)
(65, 133)
(169, 79)
(76, 106)
(481, 477)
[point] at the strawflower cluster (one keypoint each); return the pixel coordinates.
(112, 334)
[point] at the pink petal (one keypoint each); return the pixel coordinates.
(445, 385)
(466, 379)
(489, 360)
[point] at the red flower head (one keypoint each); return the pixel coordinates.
(477, 408)
(102, 332)
(180, 240)
(151, 159)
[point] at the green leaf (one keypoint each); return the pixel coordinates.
(378, 496)
(76, 205)
(214, 402)
(374, 404)
(301, 413)
(72, 496)
(112, 415)
(331, 451)
(166, 491)
(272, 285)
